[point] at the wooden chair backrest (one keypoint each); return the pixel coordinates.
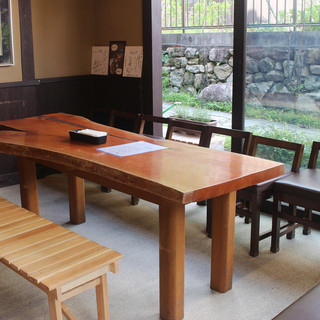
(150, 118)
(233, 133)
(314, 155)
(133, 118)
(277, 143)
(185, 124)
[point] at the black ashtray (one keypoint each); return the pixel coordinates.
(88, 135)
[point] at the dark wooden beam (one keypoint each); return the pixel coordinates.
(239, 68)
(26, 40)
(151, 93)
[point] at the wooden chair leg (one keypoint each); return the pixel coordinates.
(202, 203)
(308, 215)
(293, 210)
(102, 299)
(55, 308)
(255, 229)
(134, 200)
(275, 234)
(248, 205)
(105, 189)
(209, 218)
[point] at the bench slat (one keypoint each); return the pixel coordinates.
(67, 264)
(14, 223)
(52, 256)
(14, 213)
(89, 266)
(27, 235)
(6, 205)
(14, 218)
(9, 205)
(24, 229)
(38, 247)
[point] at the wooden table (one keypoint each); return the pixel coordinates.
(171, 178)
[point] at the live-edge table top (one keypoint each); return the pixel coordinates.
(182, 173)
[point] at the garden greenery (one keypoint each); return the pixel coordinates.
(286, 117)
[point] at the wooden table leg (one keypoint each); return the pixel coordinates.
(223, 220)
(28, 184)
(77, 207)
(171, 255)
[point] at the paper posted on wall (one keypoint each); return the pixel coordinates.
(133, 59)
(100, 60)
(116, 57)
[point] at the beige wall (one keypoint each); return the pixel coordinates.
(63, 33)
(118, 21)
(65, 30)
(13, 73)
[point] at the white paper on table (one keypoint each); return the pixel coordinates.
(132, 148)
(133, 58)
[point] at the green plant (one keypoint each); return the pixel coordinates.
(181, 112)
(287, 116)
(185, 98)
(287, 134)
(195, 113)
(165, 80)
(5, 39)
(199, 13)
(164, 56)
(200, 114)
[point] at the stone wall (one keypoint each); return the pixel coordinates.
(285, 75)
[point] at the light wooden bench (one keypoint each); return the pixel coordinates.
(55, 259)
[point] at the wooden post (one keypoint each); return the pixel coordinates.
(28, 184)
(223, 220)
(77, 207)
(172, 250)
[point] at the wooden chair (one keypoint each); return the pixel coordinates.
(123, 119)
(299, 189)
(245, 136)
(148, 118)
(175, 124)
(252, 197)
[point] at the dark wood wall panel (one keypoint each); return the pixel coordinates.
(76, 95)
(117, 93)
(69, 95)
(18, 102)
(21, 100)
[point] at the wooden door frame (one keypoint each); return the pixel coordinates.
(151, 99)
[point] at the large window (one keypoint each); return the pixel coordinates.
(282, 81)
(6, 49)
(283, 70)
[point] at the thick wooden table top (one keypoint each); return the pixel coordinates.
(181, 173)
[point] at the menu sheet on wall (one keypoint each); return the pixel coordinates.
(133, 59)
(100, 60)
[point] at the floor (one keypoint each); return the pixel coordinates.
(262, 286)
